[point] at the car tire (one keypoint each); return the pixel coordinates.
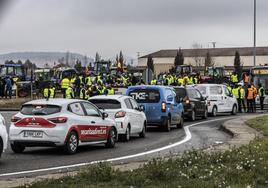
(214, 111)
(142, 134)
(17, 148)
(71, 144)
(181, 124)
(126, 136)
(167, 126)
(111, 139)
(234, 110)
(1, 147)
(193, 115)
(205, 116)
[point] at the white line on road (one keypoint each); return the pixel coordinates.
(186, 139)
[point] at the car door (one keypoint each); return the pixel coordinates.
(229, 99)
(138, 114)
(194, 98)
(172, 105)
(96, 128)
(201, 102)
(80, 120)
(131, 115)
(216, 97)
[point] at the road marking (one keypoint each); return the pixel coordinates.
(186, 139)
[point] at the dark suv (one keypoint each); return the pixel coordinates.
(194, 103)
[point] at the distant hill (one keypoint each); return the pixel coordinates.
(43, 58)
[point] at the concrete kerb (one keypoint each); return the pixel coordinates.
(241, 133)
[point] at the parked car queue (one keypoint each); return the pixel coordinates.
(69, 123)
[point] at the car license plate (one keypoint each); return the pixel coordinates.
(33, 134)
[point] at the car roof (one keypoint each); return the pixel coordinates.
(116, 97)
(149, 87)
(183, 87)
(209, 85)
(58, 101)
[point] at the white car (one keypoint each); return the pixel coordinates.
(60, 122)
(128, 115)
(219, 98)
(3, 135)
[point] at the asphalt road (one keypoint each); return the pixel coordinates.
(203, 133)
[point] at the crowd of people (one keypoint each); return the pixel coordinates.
(84, 87)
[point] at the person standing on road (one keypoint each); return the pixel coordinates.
(236, 95)
(234, 78)
(261, 95)
(77, 85)
(69, 92)
(241, 99)
(250, 97)
(255, 92)
(8, 86)
(65, 85)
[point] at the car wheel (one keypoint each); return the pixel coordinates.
(168, 125)
(111, 139)
(17, 148)
(234, 110)
(126, 136)
(214, 112)
(193, 115)
(71, 143)
(1, 147)
(181, 124)
(205, 114)
(143, 132)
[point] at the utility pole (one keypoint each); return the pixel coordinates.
(214, 44)
(254, 47)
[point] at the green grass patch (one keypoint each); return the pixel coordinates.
(246, 166)
(260, 123)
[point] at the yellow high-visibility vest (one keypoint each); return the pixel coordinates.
(52, 92)
(45, 92)
(110, 91)
(65, 83)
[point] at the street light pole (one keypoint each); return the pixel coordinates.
(254, 48)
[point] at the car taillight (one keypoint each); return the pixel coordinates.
(208, 103)
(163, 107)
(120, 114)
(15, 119)
(58, 120)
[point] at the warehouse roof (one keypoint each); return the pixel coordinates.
(214, 52)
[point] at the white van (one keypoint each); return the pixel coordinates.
(219, 98)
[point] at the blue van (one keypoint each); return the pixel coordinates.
(161, 106)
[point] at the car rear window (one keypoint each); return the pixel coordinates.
(145, 95)
(30, 109)
(106, 103)
(215, 90)
(181, 92)
(202, 89)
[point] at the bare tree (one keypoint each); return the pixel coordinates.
(209, 61)
(197, 54)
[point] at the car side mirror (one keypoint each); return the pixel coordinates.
(179, 99)
(104, 115)
(141, 108)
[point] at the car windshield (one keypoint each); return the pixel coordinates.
(106, 103)
(145, 95)
(30, 109)
(181, 92)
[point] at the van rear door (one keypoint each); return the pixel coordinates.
(150, 98)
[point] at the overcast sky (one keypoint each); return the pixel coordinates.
(145, 26)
